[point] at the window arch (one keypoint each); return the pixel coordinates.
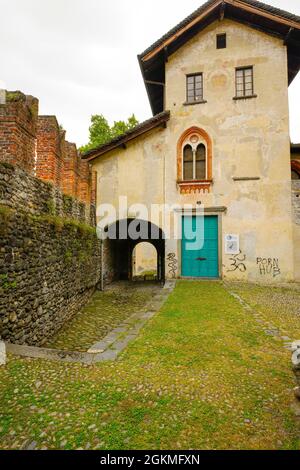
(295, 167)
(194, 160)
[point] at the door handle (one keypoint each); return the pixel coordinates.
(201, 259)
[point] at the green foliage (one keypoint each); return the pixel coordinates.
(14, 96)
(7, 165)
(5, 212)
(101, 132)
(68, 256)
(67, 201)
(6, 283)
(51, 207)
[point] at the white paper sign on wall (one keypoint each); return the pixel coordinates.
(232, 244)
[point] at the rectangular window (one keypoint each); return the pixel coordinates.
(221, 41)
(194, 88)
(244, 82)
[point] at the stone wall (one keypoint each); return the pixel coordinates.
(49, 258)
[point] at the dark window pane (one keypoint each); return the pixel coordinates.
(188, 153)
(201, 162)
(187, 163)
(200, 171)
(221, 41)
(188, 171)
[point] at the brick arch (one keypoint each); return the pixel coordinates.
(205, 185)
(295, 166)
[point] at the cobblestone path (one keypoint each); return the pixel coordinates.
(105, 311)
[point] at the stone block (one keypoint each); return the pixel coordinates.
(2, 353)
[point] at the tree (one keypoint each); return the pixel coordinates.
(101, 132)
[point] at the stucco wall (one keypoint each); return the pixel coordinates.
(250, 139)
(296, 226)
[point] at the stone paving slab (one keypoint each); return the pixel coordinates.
(116, 340)
(2, 353)
(105, 311)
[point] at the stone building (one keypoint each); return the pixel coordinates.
(219, 142)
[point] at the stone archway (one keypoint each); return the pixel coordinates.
(144, 261)
(121, 239)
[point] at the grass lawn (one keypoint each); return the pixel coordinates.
(201, 375)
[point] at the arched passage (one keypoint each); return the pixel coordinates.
(121, 239)
(144, 261)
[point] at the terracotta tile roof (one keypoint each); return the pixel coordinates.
(261, 6)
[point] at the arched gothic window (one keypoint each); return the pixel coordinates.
(188, 162)
(194, 160)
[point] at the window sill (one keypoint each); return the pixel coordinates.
(194, 186)
(192, 103)
(236, 98)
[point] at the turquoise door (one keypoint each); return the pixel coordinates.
(200, 259)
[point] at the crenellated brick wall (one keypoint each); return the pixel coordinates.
(71, 170)
(37, 144)
(18, 130)
(50, 256)
(85, 183)
(50, 150)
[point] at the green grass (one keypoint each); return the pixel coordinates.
(277, 305)
(201, 375)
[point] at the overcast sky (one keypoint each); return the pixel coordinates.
(79, 56)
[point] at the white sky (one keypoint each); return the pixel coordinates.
(79, 56)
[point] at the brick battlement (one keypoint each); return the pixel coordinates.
(49, 150)
(18, 129)
(37, 145)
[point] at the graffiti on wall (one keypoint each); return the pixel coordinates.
(237, 263)
(172, 264)
(268, 266)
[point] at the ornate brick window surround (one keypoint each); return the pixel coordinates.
(194, 137)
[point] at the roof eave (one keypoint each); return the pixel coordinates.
(146, 86)
(264, 14)
(122, 140)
